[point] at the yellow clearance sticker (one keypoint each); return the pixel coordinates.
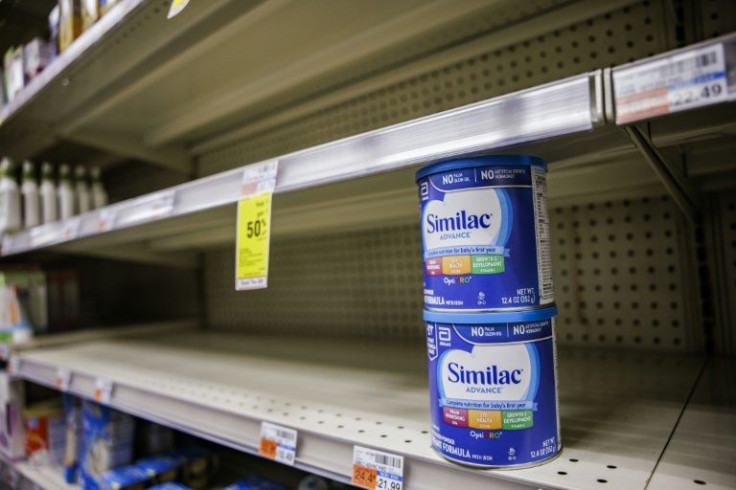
(176, 7)
(253, 235)
(254, 223)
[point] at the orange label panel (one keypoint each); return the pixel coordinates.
(364, 477)
(267, 448)
(456, 265)
(485, 419)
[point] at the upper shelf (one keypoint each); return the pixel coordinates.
(143, 86)
(567, 107)
(570, 122)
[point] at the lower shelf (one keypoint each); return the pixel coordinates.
(702, 450)
(618, 410)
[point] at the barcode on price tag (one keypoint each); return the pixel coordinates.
(278, 443)
(377, 470)
(682, 81)
(63, 379)
(103, 390)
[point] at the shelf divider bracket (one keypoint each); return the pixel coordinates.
(674, 180)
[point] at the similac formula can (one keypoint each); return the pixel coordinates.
(493, 387)
(485, 234)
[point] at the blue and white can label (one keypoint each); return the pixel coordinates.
(485, 234)
(493, 390)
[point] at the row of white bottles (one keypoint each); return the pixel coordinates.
(49, 202)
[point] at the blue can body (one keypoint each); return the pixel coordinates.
(493, 390)
(485, 234)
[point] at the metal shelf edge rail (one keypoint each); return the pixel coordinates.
(568, 106)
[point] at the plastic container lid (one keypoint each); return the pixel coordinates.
(483, 161)
(488, 318)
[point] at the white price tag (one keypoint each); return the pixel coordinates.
(683, 81)
(278, 443)
(377, 469)
(47, 234)
(146, 208)
(259, 178)
(4, 351)
(103, 390)
(13, 365)
(63, 379)
(105, 220)
(70, 229)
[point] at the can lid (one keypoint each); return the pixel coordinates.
(496, 317)
(483, 161)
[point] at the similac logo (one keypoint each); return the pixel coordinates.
(498, 372)
(467, 217)
(461, 221)
(492, 375)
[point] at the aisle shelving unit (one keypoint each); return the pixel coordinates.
(629, 419)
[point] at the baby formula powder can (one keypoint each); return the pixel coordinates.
(493, 387)
(485, 234)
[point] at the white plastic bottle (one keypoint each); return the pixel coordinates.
(9, 199)
(65, 192)
(82, 189)
(99, 196)
(29, 189)
(49, 204)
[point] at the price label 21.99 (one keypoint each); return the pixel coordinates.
(377, 470)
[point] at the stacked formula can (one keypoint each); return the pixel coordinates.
(489, 310)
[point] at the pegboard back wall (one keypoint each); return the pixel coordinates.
(619, 36)
(620, 271)
(722, 252)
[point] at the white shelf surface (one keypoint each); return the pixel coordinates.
(618, 410)
(702, 451)
(45, 477)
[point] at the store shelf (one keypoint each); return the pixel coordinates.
(557, 110)
(26, 476)
(91, 334)
(618, 410)
(181, 77)
(702, 450)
